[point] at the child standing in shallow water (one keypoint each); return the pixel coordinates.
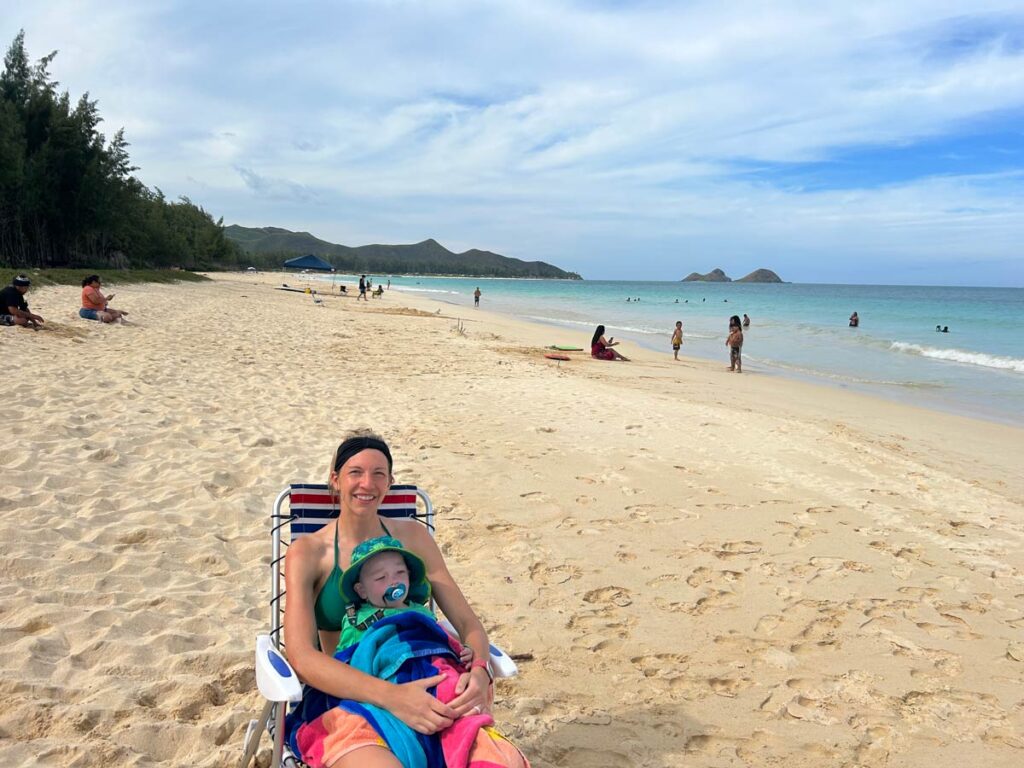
(735, 344)
(677, 339)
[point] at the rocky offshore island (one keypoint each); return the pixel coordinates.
(718, 276)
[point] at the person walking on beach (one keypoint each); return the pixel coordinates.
(13, 307)
(735, 344)
(476, 297)
(362, 289)
(677, 339)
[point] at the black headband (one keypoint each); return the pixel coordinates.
(354, 445)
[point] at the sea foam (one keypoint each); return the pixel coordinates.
(960, 356)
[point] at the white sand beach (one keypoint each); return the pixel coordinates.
(697, 568)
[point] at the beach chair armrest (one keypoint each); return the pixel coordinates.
(275, 677)
(500, 663)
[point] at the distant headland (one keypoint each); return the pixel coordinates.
(267, 247)
(718, 276)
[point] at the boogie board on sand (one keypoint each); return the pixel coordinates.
(551, 356)
(560, 348)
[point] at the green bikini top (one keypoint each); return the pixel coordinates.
(329, 608)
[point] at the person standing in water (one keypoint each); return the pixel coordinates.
(476, 297)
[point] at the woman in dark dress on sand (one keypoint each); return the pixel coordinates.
(601, 348)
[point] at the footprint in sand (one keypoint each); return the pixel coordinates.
(660, 664)
(766, 625)
(729, 549)
(548, 576)
(596, 643)
(665, 578)
(699, 576)
(715, 600)
(619, 596)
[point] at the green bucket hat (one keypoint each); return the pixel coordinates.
(419, 587)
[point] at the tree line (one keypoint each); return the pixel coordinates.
(67, 195)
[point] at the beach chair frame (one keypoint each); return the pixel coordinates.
(310, 507)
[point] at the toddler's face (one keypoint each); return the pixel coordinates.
(381, 572)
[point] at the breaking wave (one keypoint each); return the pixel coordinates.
(960, 356)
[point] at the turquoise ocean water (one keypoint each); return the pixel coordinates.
(797, 330)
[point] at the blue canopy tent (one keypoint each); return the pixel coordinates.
(309, 261)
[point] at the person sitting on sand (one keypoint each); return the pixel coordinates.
(601, 348)
(96, 306)
(735, 344)
(13, 307)
(854, 320)
(346, 736)
(677, 338)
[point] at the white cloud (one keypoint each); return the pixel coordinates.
(572, 132)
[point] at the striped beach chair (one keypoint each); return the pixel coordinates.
(310, 507)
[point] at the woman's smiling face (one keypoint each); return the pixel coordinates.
(363, 481)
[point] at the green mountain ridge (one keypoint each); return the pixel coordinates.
(269, 246)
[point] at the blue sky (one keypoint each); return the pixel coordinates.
(833, 141)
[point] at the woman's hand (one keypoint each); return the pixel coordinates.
(471, 693)
(414, 706)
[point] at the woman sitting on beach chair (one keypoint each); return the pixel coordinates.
(350, 734)
(378, 292)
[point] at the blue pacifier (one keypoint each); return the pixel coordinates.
(395, 592)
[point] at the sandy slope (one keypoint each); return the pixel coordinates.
(701, 568)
